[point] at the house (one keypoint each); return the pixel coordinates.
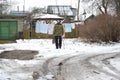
(62, 10)
(89, 18)
(12, 25)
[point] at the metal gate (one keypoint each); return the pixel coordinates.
(8, 29)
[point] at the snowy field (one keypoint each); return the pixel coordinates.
(108, 65)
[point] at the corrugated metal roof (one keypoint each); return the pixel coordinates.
(60, 10)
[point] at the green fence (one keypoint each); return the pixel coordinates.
(8, 29)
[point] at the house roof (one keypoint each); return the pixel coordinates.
(48, 17)
(62, 10)
(11, 17)
(19, 13)
(89, 17)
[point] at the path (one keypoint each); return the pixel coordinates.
(82, 67)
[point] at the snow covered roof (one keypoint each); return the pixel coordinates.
(48, 17)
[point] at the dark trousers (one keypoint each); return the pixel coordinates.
(58, 42)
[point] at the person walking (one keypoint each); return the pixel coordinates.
(58, 34)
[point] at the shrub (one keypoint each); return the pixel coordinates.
(103, 28)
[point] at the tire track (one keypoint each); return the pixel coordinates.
(45, 68)
(57, 71)
(57, 66)
(106, 62)
(102, 58)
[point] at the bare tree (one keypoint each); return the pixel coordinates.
(36, 10)
(4, 7)
(104, 6)
(117, 3)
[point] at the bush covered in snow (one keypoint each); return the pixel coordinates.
(105, 28)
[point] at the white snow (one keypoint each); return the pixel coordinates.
(116, 63)
(23, 69)
(47, 16)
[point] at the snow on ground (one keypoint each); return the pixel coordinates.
(116, 63)
(23, 69)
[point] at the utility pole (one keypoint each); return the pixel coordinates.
(56, 2)
(24, 6)
(71, 2)
(78, 11)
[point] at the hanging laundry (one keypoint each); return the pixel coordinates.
(41, 27)
(68, 27)
(50, 28)
(37, 27)
(44, 28)
(73, 25)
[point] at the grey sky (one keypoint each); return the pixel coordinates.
(42, 3)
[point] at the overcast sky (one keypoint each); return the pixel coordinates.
(42, 3)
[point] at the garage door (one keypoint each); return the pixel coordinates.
(8, 29)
